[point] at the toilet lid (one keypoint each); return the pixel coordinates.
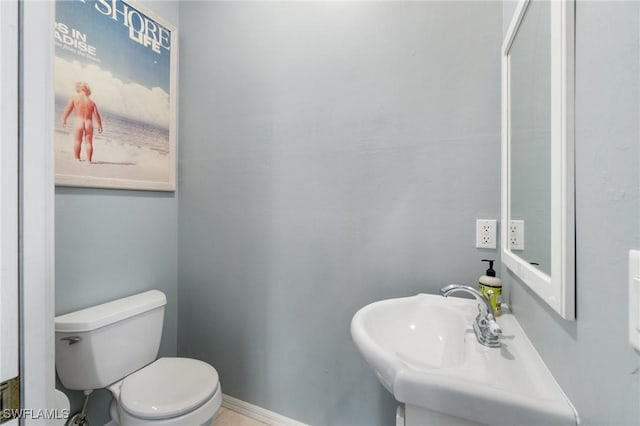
(168, 387)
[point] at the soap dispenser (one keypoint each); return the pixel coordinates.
(490, 282)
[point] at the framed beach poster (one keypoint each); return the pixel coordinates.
(115, 96)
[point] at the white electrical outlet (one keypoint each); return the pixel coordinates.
(486, 233)
(516, 234)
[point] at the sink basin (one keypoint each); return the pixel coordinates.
(424, 351)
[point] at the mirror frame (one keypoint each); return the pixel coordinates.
(557, 289)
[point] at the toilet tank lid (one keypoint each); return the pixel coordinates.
(102, 315)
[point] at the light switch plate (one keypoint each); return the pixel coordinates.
(634, 298)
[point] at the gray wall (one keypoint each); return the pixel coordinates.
(332, 154)
(111, 244)
(591, 358)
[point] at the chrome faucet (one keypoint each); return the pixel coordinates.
(487, 330)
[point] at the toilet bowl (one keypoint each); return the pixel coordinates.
(114, 346)
(61, 405)
(170, 392)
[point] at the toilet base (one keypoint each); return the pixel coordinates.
(202, 415)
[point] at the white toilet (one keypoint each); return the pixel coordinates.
(114, 346)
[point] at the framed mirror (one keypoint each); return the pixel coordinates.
(538, 226)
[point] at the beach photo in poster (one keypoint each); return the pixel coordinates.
(115, 96)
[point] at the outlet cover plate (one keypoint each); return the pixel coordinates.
(516, 234)
(486, 233)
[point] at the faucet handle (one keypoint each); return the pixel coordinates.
(494, 328)
(488, 322)
(485, 327)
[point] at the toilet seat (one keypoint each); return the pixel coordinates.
(168, 387)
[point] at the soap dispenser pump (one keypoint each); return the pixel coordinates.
(490, 283)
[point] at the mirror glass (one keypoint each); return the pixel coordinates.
(530, 189)
(538, 151)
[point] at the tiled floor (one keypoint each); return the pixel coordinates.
(231, 418)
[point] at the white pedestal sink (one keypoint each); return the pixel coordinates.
(424, 351)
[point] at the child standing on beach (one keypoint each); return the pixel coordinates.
(84, 108)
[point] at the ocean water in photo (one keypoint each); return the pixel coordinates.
(123, 130)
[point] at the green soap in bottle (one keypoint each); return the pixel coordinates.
(490, 282)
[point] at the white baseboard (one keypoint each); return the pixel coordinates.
(258, 413)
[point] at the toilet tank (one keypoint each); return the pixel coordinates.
(100, 345)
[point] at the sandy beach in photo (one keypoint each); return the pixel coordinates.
(112, 159)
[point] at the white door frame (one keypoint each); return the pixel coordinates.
(37, 206)
(9, 312)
